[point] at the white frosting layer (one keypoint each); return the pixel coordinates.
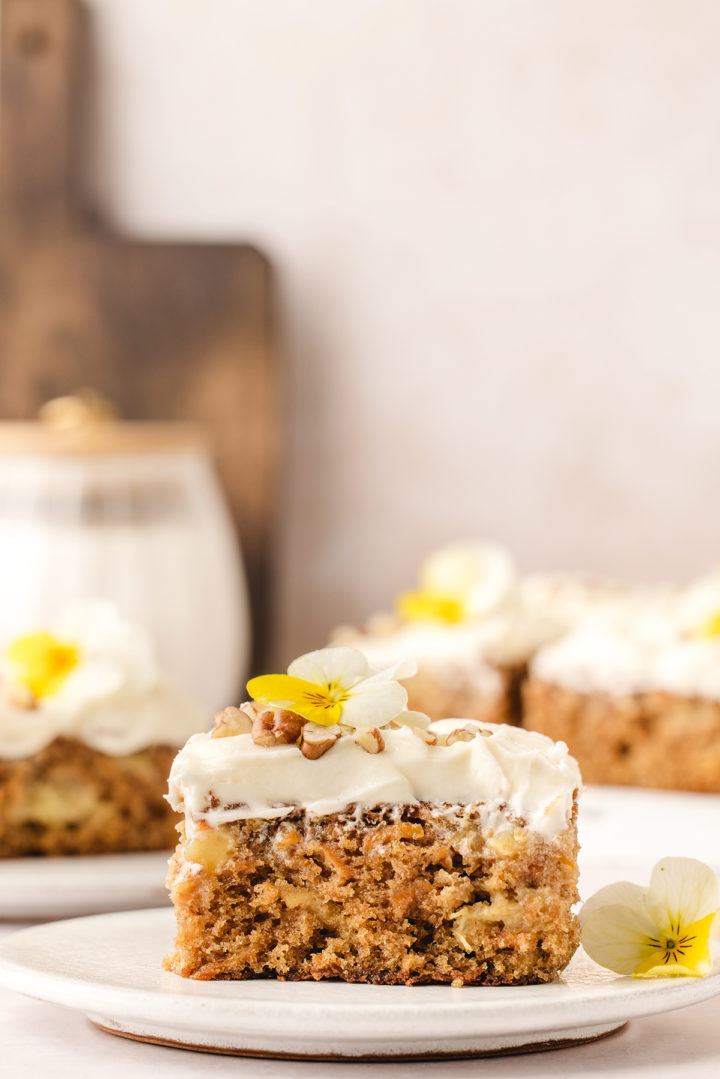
(514, 772)
(569, 598)
(643, 655)
(454, 653)
(115, 700)
(463, 653)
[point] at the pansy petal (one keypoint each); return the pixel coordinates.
(404, 668)
(305, 698)
(479, 574)
(280, 689)
(323, 715)
(691, 958)
(331, 666)
(682, 891)
(373, 704)
(429, 607)
(616, 937)
(623, 893)
(417, 720)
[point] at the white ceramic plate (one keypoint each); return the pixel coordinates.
(109, 967)
(33, 888)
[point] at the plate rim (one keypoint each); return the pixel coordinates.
(40, 897)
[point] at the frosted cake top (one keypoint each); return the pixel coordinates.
(94, 678)
(335, 733)
(668, 643)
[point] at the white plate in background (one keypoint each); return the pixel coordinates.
(35, 888)
(624, 831)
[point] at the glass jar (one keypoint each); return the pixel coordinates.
(132, 513)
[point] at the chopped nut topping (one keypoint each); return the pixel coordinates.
(371, 741)
(277, 727)
(459, 735)
(231, 721)
(317, 740)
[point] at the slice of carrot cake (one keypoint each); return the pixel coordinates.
(88, 731)
(637, 695)
(329, 833)
(467, 630)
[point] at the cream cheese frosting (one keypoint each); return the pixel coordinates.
(642, 654)
(455, 653)
(528, 615)
(464, 653)
(514, 772)
(115, 699)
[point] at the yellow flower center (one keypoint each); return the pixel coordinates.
(41, 662)
(710, 628)
(685, 948)
(317, 703)
(429, 606)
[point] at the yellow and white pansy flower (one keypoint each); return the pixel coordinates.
(665, 929)
(338, 685)
(460, 582)
(697, 608)
(90, 654)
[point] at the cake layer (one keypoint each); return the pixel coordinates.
(388, 894)
(645, 739)
(71, 799)
(456, 692)
(217, 780)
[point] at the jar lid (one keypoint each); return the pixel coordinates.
(85, 424)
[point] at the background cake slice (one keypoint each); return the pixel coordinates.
(637, 695)
(88, 731)
(467, 629)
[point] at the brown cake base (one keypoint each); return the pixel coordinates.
(70, 799)
(443, 699)
(644, 739)
(392, 895)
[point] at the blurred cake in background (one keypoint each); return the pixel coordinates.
(133, 512)
(562, 600)
(634, 690)
(88, 730)
(468, 629)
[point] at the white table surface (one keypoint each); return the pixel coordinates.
(52, 1042)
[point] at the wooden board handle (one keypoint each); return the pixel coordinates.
(39, 64)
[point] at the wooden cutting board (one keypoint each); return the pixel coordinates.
(165, 330)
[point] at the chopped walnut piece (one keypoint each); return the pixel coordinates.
(371, 741)
(277, 727)
(459, 735)
(231, 721)
(317, 740)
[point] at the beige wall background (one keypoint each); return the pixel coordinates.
(497, 228)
